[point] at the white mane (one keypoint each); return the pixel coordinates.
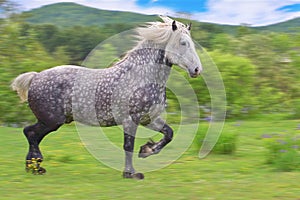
(160, 32)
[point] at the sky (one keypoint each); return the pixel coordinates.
(234, 12)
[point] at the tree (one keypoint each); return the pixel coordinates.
(19, 53)
(276, 78)
(244, 29)
(224, 42)
(239, 79)
(49, 36)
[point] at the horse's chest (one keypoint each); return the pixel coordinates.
(148, 100)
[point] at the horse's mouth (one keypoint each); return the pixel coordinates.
(195, 72)
(194, 75)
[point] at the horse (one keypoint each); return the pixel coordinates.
(130, 93)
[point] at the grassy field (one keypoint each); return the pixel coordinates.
(72, 173)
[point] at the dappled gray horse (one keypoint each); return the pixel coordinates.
(129, 93)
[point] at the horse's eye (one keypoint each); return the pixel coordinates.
(183, 43)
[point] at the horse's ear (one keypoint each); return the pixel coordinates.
(174, 26)
(190, 26)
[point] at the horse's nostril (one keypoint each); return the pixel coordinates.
(197, 70)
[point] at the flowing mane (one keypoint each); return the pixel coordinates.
(160, 32)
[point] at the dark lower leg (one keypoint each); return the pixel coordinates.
(34, 135)
(151, 147)
(128, 148)
(129, 138)
(168, 135)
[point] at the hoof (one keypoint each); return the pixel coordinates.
(34, 166)
(138, 176)
(147, 149)
(40, 171)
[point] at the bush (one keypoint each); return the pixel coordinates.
(296, 109)
(283, 151)
(226, 144)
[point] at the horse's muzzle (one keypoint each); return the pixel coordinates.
(195, 72)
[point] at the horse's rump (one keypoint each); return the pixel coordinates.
(50, 94)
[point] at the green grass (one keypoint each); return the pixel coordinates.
(72, 173)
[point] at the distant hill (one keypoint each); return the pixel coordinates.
(70, 14)
(287, 26)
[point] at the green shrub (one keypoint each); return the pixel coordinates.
(226, 144)
(296, 108)
(283, 151)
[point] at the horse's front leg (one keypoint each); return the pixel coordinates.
(129, 137)
(151, 147)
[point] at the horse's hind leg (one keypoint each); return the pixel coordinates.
(34, 135)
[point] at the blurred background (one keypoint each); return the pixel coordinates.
(256, 47)
(260, 65)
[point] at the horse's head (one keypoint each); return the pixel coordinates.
(176, 40)
(180, 49)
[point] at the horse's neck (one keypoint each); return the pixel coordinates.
(147, 60)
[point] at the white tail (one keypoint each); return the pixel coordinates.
(21, 84)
